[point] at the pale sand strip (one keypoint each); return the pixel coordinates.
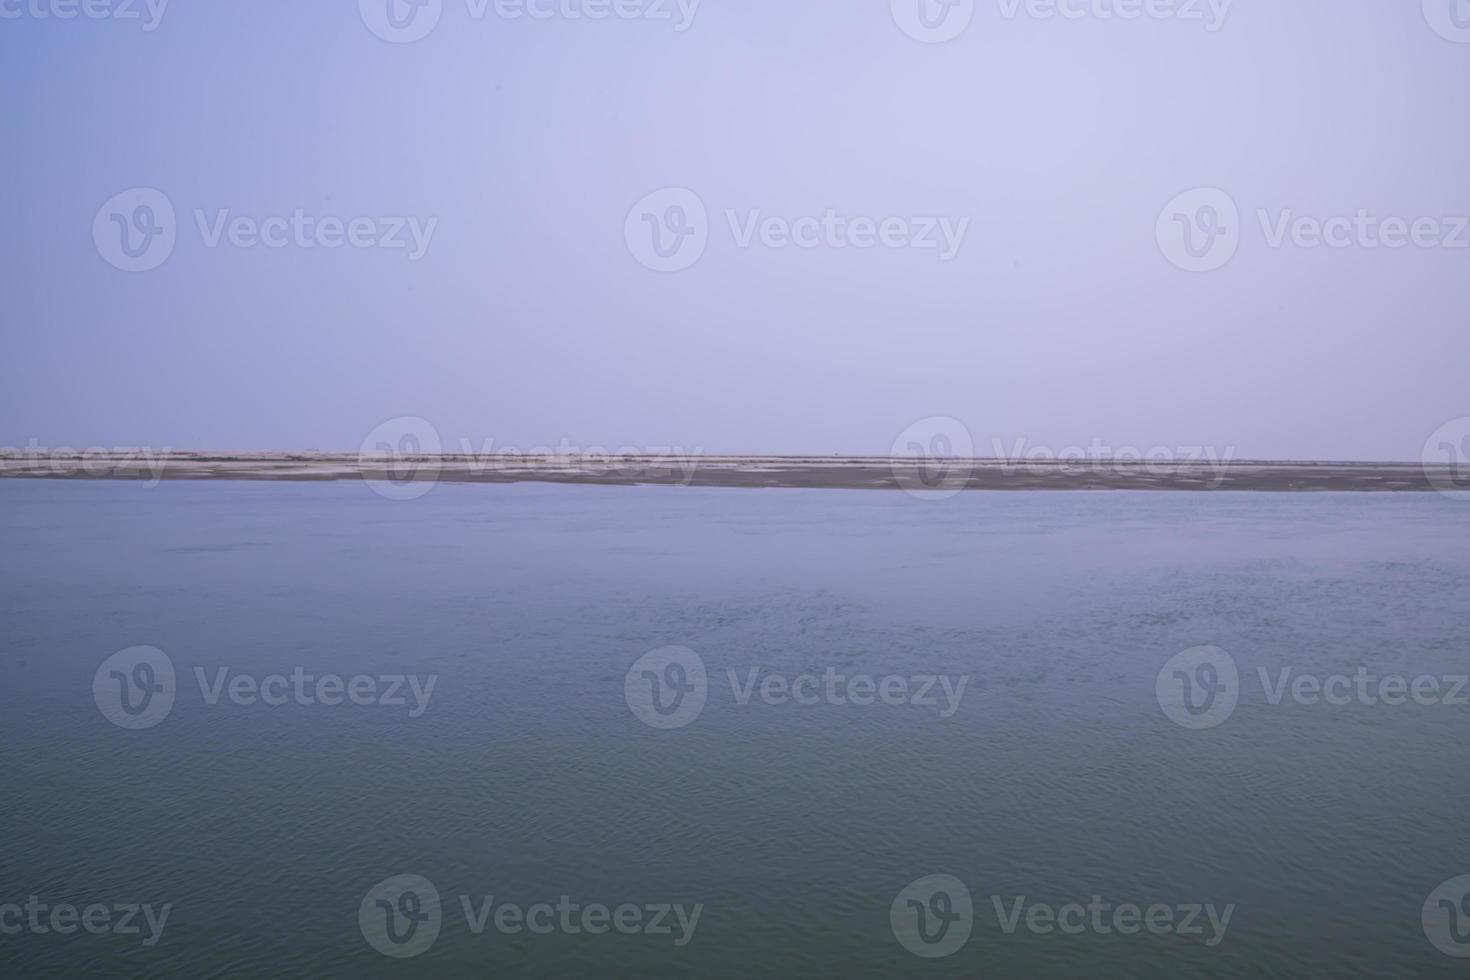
(743, 471)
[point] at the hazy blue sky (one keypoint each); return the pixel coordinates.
(529, 320)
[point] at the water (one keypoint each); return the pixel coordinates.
(794, 827)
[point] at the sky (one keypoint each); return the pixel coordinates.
(745, 226)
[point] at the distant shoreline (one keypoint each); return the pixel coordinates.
(809, 472)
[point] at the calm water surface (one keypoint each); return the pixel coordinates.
(527, 777)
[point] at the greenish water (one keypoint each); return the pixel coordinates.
(1054, 775)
